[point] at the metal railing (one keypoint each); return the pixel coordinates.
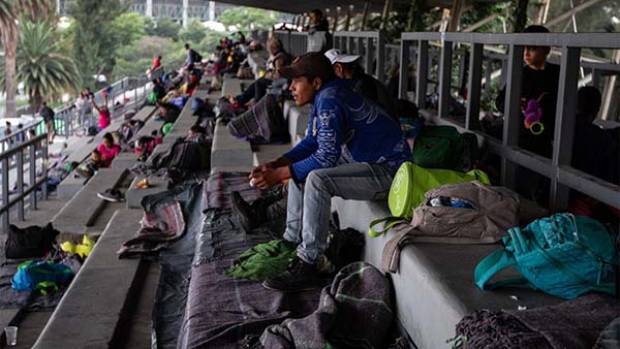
(558, 169)
(369, 45)
(67, 119)
(27, 161)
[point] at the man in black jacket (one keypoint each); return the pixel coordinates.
(48, 117)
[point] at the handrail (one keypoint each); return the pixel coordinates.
(557, 169)
(37, 149)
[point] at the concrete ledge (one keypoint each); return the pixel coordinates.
(229, 153)
(233, 87)
(134, 196)
(85, 206)
(434, 288)
(94, 312)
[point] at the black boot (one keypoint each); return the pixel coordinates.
(299, 276)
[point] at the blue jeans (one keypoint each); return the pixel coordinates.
(309, 205)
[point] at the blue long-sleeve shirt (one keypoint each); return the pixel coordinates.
(344, 125)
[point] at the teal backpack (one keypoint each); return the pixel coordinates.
(562, 255)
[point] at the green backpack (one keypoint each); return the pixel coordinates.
(410, 184)
(444, 147)
(562, 255)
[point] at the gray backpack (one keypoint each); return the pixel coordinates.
(464, 213)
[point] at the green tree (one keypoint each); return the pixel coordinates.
(133, 60)
(164, 27)
(194, 33)
(128, 28)
(94, 43)
(247, 18)
(10, 11)
(42, 67)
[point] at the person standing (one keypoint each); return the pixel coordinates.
(48, 117)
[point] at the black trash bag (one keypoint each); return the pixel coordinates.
(29, 242)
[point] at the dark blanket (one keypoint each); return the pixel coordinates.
(355, 311)
(163, 221)
(572, 324)
(263, 123)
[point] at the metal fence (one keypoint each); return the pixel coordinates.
(28, 162)
(561, 175)
(369, 45)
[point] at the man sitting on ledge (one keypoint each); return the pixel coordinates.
(351, 150)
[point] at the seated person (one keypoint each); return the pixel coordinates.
(159, 88)
(347, 67)
(277, 58)
(196, 133)
(90, 166)
(108, 150)
(539, 84)
(591, 139)
(352, 150)
(167, 112)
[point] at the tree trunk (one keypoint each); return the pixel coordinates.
(519, 15)
(10, 52)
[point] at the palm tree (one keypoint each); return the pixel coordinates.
(10, 11)
(42, 67)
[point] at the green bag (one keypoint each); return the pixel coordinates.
(444, 147)
(151, 98)
(562, 255)
(410, 184)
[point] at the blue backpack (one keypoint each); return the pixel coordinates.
(562, 255)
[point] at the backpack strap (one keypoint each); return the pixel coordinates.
(493, 264)
(388, 223)
(390, 259)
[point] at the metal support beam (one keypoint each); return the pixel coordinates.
(185, 13)
(148, 10)
(564, 123)
(422, 73)
(472, 117)
(32, 168)
(368, 54)
(404, 68)
(5, 192)
(380, 73)
(512, 112)
(445, 79)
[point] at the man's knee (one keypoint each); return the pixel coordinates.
(319, 179)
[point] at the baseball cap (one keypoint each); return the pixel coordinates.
(335, 56)
(311, 65)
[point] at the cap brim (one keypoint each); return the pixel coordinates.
(346, 59)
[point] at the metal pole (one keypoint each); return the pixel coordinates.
(44, 168)
(565, 123)
(5, 193)
(20, 183)
(512, 112)
(367, 55)
(185, 13)
(473, 86)
(422, 74)
(33, 174)
(445, 79)
(404, 68)
(380, 56)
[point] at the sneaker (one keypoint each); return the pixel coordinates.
(299, 276)
(243, 210)
(112, 195)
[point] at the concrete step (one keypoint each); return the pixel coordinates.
(96, 309)
(269, 152)
(229, 154)
(84, 207)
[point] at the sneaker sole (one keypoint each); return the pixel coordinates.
(103, 197)
(309, 288)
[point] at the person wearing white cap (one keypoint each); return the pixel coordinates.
(347, 67)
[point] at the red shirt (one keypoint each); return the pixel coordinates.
(104, 119)
(108, 154)
(156, 63)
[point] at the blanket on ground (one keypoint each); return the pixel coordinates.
(355, 311)
(572, 324)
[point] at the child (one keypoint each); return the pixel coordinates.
(90, 166)
(108, 150)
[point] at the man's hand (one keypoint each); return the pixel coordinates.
(271, 173)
